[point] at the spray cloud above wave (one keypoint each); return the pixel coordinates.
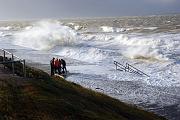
(145, 47)
(154, 47)
(148, 48)
(90, 55)
(45, 35)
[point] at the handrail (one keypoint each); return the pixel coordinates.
(12, 61)
(137, 70)
(119, 65)
(129, 68)
(11, 54)
(6, 51)
(5, 62)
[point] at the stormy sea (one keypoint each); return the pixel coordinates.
(91, 45)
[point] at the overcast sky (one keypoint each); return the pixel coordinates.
(35, 9)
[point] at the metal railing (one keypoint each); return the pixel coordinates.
(129, 68)
(10, 58)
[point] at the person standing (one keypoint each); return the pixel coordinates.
(52, 66)
(63, 62)
(56, 64)
(59, 67)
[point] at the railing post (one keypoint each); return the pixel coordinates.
(4, 55)
(13, 64)
(24, 68)
(116, 64)
(126, 67)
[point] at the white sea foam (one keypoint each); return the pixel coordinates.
(45, 35)
(152, 47)
(5, 34)
(150, 28)
(1, 34)
(5, 28)
(28, 27)
(71, 23)
(142, 47)
(89, 55)
(49, 34)
(111, 29)
(75, 26)
(140, 28)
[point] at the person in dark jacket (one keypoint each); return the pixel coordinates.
(63, 62)
(59, 67)
(52, 66)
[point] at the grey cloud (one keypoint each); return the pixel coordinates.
(19, 9)
(162, 1)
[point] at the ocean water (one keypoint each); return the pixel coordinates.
(90, 47)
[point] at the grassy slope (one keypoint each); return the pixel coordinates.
(55, 98)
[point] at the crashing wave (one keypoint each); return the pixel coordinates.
(45, 35)
(85, 54)
(5, 28)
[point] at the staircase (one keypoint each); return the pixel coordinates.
(129, 68)
(7, 58)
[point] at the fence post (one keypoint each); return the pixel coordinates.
(126, 67)
(13, 64)
(116, 64)
(24, 68)
(4, 57)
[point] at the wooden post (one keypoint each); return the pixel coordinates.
(4, 57)
(24, 68)
(125, 67)
(116, 65)
(128, 67)
(13, 64)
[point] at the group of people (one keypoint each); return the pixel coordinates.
(58, 66)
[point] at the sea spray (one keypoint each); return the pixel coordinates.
(45, 35)
(111, 29)
(5, 28)
(143, 47)
(84, 54)
(136, 46)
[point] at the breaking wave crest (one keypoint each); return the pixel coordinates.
(90, 55)
(147, 48)
(45, 35)
(151, 47)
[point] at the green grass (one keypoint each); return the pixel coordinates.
(53, 98)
